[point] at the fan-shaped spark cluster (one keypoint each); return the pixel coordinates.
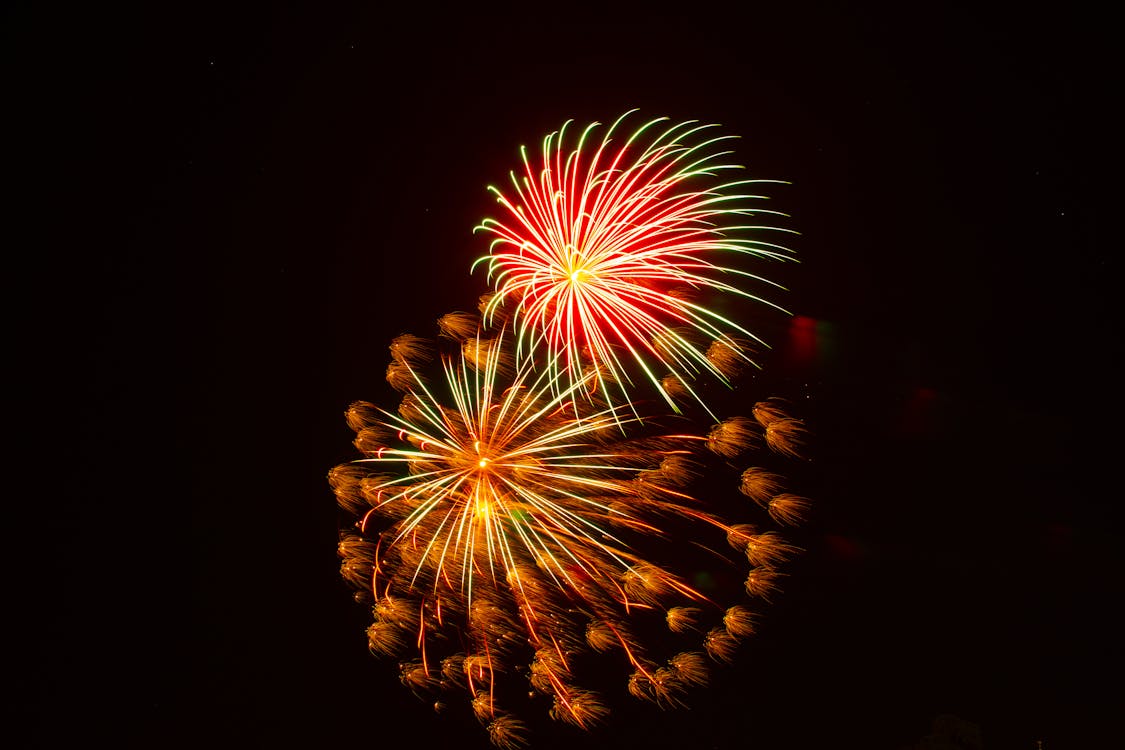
(525, 525)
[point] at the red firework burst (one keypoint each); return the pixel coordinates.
(611, 252)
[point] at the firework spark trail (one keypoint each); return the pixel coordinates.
(600, 254)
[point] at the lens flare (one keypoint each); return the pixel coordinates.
(611, 253)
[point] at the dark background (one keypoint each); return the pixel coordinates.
(235, 210)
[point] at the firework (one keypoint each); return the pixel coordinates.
(611, 251)
(525, 517)
(498, 520)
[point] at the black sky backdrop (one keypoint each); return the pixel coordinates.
(247, 205)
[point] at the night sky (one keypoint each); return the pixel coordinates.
(244, 207)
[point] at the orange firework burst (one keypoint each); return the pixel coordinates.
(608, 247)
(508, 533)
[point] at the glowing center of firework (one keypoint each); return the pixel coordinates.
(484, 457)
(578, 275)
(577, 270)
